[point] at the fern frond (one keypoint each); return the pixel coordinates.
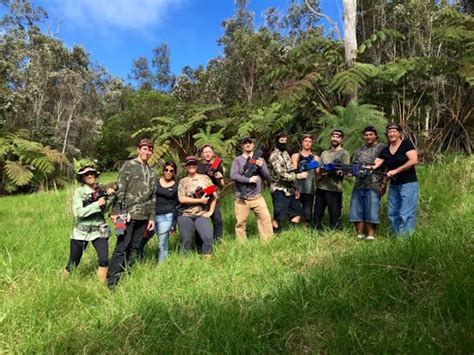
(18, 173)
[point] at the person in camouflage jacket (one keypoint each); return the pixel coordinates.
(135, 198)
(282, 188)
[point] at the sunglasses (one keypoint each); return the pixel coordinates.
(168, 170)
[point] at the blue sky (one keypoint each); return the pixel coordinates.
(117, 31)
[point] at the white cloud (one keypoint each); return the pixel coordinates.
(129, 14)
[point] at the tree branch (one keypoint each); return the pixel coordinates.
(327, 18)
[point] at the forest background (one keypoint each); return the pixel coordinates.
(411, 62)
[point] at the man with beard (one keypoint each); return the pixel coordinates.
(282, 188)
(306, 187)
(329, 185)
(365, 200)
(217, 178)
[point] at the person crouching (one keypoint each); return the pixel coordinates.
(196, 212)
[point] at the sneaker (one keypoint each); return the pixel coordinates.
(370, 238)
(360, 237)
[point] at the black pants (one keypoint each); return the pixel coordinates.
(333, 201)
(217, 224)
(307, 203)
(202, 225)
(127, 250)
(285, 207)
(77, 248)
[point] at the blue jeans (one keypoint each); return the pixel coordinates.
(402, 205)
(163, 223)
(365, 206)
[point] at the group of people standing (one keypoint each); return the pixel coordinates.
(144, 203)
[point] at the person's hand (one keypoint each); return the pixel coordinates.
(339, 173)
(254, 179)
(110, 191)
(218, 175)
(391, 173)
(172, 232)
(207, 214)
(102, 201)
(302, 176)
(151, 225)
(297, 195)
(114, 218)
(204, 200)
(259, 162)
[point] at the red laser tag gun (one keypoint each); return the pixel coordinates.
(215, 166)
(121, 222)
(208, 191)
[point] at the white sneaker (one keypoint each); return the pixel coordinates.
(360, 237)
(370, 238)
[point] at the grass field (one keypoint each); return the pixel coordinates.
(303, 293)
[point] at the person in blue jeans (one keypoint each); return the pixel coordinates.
(166, 209)
(368, 188)
(400, 158)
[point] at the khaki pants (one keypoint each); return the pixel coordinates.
(264, 220)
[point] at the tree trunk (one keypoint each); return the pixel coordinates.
(350, 39)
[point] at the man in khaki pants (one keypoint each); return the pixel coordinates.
(248, 191)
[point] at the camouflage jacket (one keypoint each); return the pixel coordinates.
(283, 178)
(366, 155)
(136, 190)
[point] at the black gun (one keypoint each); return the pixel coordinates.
(251, 167)
(98, 193)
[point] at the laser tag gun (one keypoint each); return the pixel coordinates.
(121, 222)
(251, 167)
(337, 167)
(306, 165)
(215, 166)
(365, 171)
(98, 193)
(208, 191)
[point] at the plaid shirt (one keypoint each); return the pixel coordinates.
(283, 178)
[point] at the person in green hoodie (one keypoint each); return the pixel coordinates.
(89, 205)
(135, 199)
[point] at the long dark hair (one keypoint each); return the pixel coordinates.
(172, 164)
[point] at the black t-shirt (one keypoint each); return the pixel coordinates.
(393, 161)
(166, 199)
(203, 168)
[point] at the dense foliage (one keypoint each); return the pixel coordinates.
(414, 65)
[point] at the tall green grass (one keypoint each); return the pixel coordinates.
(304, 292)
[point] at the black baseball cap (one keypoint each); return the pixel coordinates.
(246, 139)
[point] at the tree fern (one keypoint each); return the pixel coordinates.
(351, 119)
(19, 174)
(351, 80)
